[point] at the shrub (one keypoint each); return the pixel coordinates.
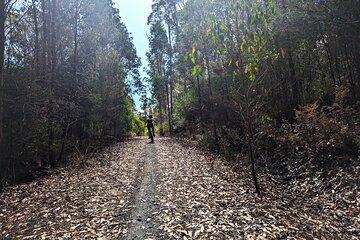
(138, 126)
(327, 132)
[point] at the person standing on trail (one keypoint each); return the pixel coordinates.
(151, 128)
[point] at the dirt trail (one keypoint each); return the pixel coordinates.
(196, 195)
(142, 225)
(171, 190)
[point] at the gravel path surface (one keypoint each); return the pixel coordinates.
(143, 216)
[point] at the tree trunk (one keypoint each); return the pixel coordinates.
(199, 99)
(292, 73)
(293, 78)
(338, 69)
(168, 106)
(161, 118)
(329, 56)
(52, 78)
(2, 49)
(249, 119)
(171, 83)
(76, 39)
(36, 50)
(214, 127)
(63, 142)
(351, 79)
(253, 172)
(168, 102)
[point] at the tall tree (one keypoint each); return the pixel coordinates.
(239, 64)
(157, 69)
(2, 49)
(70, 70)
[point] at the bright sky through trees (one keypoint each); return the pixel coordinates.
(134, 14)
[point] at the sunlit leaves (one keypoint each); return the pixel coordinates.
(194, 57)
(256, 40)
(196, 71)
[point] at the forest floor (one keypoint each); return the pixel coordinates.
(173, 190)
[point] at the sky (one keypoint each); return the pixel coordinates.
(134, 14)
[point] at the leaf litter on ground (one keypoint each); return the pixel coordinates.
(89, 203)
(197, 196)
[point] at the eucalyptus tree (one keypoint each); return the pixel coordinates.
(157, 57)
(2, 49)
(70, 67)
(240, 65)
(166, 12)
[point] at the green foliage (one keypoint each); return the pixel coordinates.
(242, 68)
(138, 125)
(266, 119)
(69, 82)
(181, 108)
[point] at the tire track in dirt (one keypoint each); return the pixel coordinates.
(142, 225)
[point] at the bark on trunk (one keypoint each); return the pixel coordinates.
(52, 52)
(253, 172)
(331, 68)
(199, 99)
(213, 123)
(36, 50)
(351, 78)
(171, 84)
(292, 73)
(76, 39)
(249, 119)
(2, 49)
